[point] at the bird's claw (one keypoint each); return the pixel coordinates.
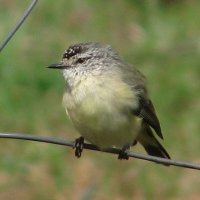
(123, 154)
(78, 146)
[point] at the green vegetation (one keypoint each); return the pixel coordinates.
(162, 39)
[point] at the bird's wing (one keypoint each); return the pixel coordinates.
(145, 108)
(147, 112)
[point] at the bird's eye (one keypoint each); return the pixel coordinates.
(80, 60)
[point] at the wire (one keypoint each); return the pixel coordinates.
(19, 23)
(58, 141)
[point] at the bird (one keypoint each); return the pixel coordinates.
(107, 100)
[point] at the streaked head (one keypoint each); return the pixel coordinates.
(85, 57)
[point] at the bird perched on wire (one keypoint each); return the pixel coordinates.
(107, 100)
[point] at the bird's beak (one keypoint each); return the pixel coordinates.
(60, 65)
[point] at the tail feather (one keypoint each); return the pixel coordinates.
(150, 143)
(158, 150)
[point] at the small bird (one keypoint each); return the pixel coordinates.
(107, 100)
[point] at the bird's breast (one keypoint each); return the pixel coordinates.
(100, 107)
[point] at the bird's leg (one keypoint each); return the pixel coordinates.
(123, 154)
(78, 145)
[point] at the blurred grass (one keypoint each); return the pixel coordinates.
(162, 39)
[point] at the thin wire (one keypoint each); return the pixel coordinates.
(68, 143)
(19, 23)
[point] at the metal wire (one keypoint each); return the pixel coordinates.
(19, 23)
(68, 143)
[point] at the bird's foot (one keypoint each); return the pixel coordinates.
(123, 154)
(78, 146)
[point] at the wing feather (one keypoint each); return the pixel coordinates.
(147, 112)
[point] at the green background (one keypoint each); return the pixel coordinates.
(161, 38)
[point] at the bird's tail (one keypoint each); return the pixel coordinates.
(150, 143)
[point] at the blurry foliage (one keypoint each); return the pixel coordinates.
(162, 38)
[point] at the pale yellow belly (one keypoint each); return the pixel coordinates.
(100, 110)
(105, 126)
(110, 134)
